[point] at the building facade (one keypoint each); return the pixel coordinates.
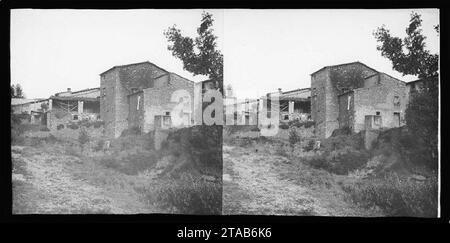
(367, 94)
(140, 96)
(71, 107)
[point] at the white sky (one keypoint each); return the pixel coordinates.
(264, 50)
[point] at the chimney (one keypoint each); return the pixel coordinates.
(279, 91)
(69, 90)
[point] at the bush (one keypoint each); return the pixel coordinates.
(130, 163)
(99, 145)
(191, 195)
(73, 126)
(395, 196)
(309, 146)
(133, 131)
(83, 137)
(98, 124)
(283, 126)
(341, 161)
(255, 129)
(60, 126)
(297, 123)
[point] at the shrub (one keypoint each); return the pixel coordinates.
(255, 129)
(45, 129)
(191, 195)
(297, 123)
(281, 151)
(309, 146)
(73, 126)
(99, 145)
(130, 163)
(131, 131)
(60, 126)
(346, 160)
(83, 137)
(293, 139)
(72, 151)
(308, 124)
(341, 161)
(98, 124)
(283, 126)
(396, 196)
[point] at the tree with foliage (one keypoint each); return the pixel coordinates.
(347, 79)
(13, 91)
(409, 56)
(200, 55)
(16, 91)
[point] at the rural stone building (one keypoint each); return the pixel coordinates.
(71, 107)
(31, 111)
(357, 97)
(139, 96)
(295, 105)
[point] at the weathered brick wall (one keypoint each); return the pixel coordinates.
(118, 84)
(108, 83)
(346, 110)
(136, 110)
(157, 101)
(318, 100)
(325, 102)
(380, 98)
(140, 76)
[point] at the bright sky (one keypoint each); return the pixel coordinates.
(264, 50)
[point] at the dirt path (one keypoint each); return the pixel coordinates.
(254, 183)
(50, 181)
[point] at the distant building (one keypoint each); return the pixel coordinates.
(68, 107)
(21, 106)
(139, 96)
(377, 101)
(31, 110)
(295, 105)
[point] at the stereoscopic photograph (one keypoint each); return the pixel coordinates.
(299, 112)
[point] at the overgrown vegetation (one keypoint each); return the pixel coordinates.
(189, 194)
(396, 196)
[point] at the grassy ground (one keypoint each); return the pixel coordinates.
(56, 175)
(268, 176)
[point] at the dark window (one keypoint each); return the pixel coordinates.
(75, 117)
(167, 113)
(378, 113)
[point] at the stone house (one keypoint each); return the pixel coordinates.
(30, 110)
(139, 95)
(71, 107)
(295, 105)
(368, 100)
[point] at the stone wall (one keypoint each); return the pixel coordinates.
(108, 83)
(157, 101)
(136, 110)
(324, 95)
(346, 110)
(117, 84)
(381, 98)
